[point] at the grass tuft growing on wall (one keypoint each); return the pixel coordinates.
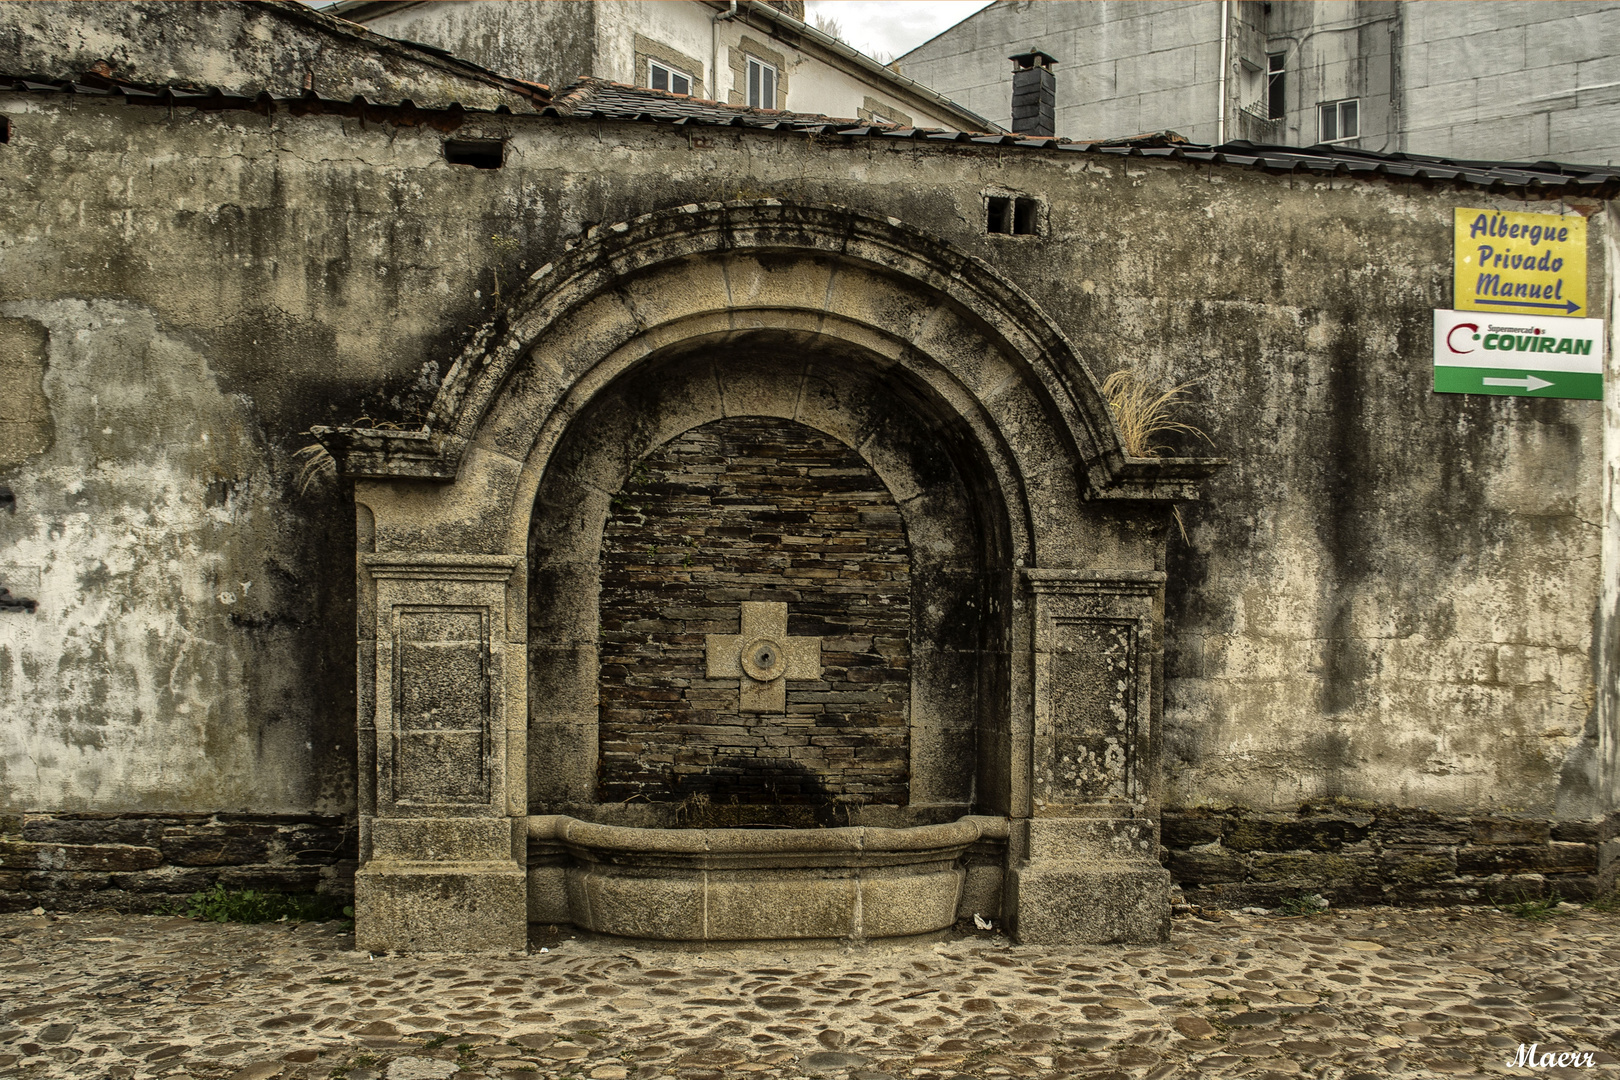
(1144, 415)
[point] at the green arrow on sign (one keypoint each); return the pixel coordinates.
(1508, 382)
(1529, 382)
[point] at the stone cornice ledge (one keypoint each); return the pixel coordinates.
(1168, 479)
(436, 566)
(389, 454)
(1042, 580)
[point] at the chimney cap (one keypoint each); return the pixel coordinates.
(1033, 58)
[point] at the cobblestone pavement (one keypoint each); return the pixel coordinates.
(1356, 994)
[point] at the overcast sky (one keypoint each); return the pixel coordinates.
(890, 28)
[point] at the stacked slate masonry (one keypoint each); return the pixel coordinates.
(1386, 658)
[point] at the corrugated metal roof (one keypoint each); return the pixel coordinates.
(598, 99)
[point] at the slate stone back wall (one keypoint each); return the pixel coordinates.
(761, 510)
(1368, 854)
(142, 862)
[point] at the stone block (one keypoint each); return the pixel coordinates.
(1417, 865)
(230, 845)
(1576, 832)
(470, 908)
(548, 891)
(1310, 870)
(903, 904)
(1401, 830)
(135, 830)
(661, 908)
(982, 887)
(1305, 834)
(784, 907)
(1189, 830)
(1500, 830)
(21, 855)
(1093, 903)
(442, 839)
(1508, 858)
(1064, 839)
(1207, 867)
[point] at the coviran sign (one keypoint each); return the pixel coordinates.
(1517, 356)
(1519, 263)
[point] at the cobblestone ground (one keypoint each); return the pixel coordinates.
(1357, 994)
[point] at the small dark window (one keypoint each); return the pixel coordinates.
(1014, 216)
(1025, 217)
(1001, 218)
(479, 153)
(1276, 88)
(5, 130)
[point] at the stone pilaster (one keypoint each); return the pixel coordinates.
(1091, 872)
(442, 734)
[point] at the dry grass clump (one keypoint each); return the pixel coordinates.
(1143, 415)
(317, 467)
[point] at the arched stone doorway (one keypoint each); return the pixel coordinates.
(1025, 522)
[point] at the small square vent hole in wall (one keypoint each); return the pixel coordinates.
(479, 153)
(1014, 215)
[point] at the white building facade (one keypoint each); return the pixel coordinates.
(751, 54)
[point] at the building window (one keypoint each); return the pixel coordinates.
(479, 153)
(1276, 87)
(1340, 120)
(664, 77)
(1013, 216)
(761, 85)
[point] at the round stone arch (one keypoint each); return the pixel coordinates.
(1075, 527)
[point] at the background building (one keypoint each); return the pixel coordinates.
(1500, 81)
(752, 54)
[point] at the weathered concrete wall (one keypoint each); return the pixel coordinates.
(1124, 66)
(547, 43)
(1390, 596)
(281, 48)
(1520, 80)
(1515, 80)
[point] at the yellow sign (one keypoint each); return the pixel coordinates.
(1531, 264)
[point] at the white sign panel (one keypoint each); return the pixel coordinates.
(1481, 352)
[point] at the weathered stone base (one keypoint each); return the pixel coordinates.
(138, 863)
(1092, 902)
(440, 907)
(1365, 854)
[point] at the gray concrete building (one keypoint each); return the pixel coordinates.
(1519, 81)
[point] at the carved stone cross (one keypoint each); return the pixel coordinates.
(763, 657)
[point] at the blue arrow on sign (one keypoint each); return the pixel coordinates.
(1568, 305)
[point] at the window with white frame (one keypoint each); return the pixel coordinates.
(761, 85)
(664, 77)
(1339, 121)
(1276, 86)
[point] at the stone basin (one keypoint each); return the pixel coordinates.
(742, 885)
